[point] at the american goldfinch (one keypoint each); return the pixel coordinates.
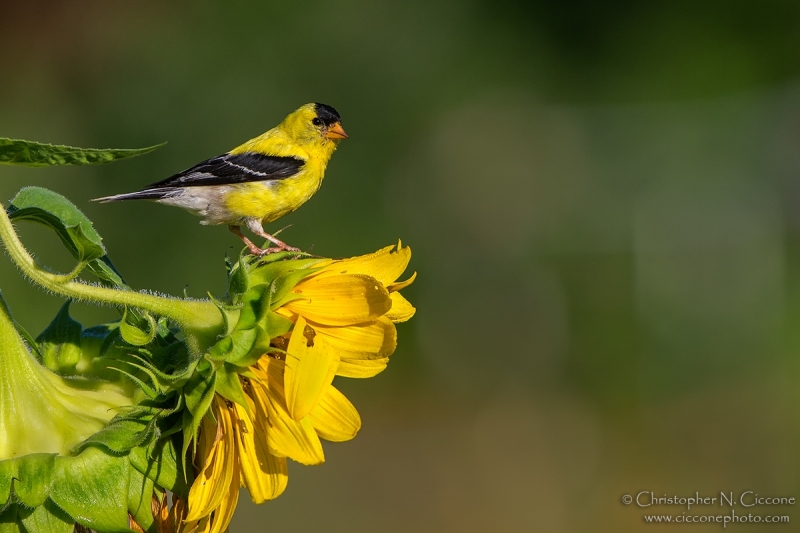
(258, 182)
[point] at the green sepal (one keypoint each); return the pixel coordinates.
(248, 346)
(255, 302)
(60, 342)
(140, 496)
(276, 325)
(140, 333)
(238, 279)
(159, 462)
(189, 434)
(34, 154)
(280, 286)
(122, 435)
(198, 394)
(46, 518)
(229, 386)
(262, 273)
(230, 314)
(221, 348)
(271, 326)
(148, 391)
(56, 212)
(235, 347)
(262, 287)
(162, 382)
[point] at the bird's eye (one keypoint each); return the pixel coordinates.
(316, 121)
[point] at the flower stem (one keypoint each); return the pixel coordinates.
(193, 315)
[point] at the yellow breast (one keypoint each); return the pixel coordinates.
(270, 200)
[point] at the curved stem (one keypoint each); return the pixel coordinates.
(196, 315)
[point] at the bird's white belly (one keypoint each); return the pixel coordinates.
(206, 202)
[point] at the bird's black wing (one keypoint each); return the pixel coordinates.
(234, 168)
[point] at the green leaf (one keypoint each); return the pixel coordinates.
(33, 154)
(137, 334)
(106, 272)
(9, 520)
(47, 518)
(55, 211)
(33, 478)
(60, 343)
(93, 489)
(8, 470)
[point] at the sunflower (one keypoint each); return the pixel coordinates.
(353, 305)
(343, 315)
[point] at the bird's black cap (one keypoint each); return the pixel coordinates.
(327, 114)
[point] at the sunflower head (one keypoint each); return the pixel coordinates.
(293, 326)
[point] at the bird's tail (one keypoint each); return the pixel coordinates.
(148, 194)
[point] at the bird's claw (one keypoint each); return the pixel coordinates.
(266, 251)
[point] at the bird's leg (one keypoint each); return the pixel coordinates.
(255, 250)
(255, 226)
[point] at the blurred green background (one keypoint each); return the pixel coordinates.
(602, 201)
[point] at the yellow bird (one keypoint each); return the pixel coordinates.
(258, 182)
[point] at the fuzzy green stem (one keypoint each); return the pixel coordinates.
(200, 317)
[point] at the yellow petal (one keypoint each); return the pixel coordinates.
(371, 340)
(361, 368)
(210, 485)
(286, 437)
(401, 309)
(394, 287)
(264, 475)
(385, 265)
(334, 417)
(309, 369)
(224, 513)
(340, 300)
(293, 439)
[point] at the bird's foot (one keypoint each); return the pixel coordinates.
(265, 251)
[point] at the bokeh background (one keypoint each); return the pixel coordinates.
(603, 200)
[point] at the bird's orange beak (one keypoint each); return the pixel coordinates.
(336, 132)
